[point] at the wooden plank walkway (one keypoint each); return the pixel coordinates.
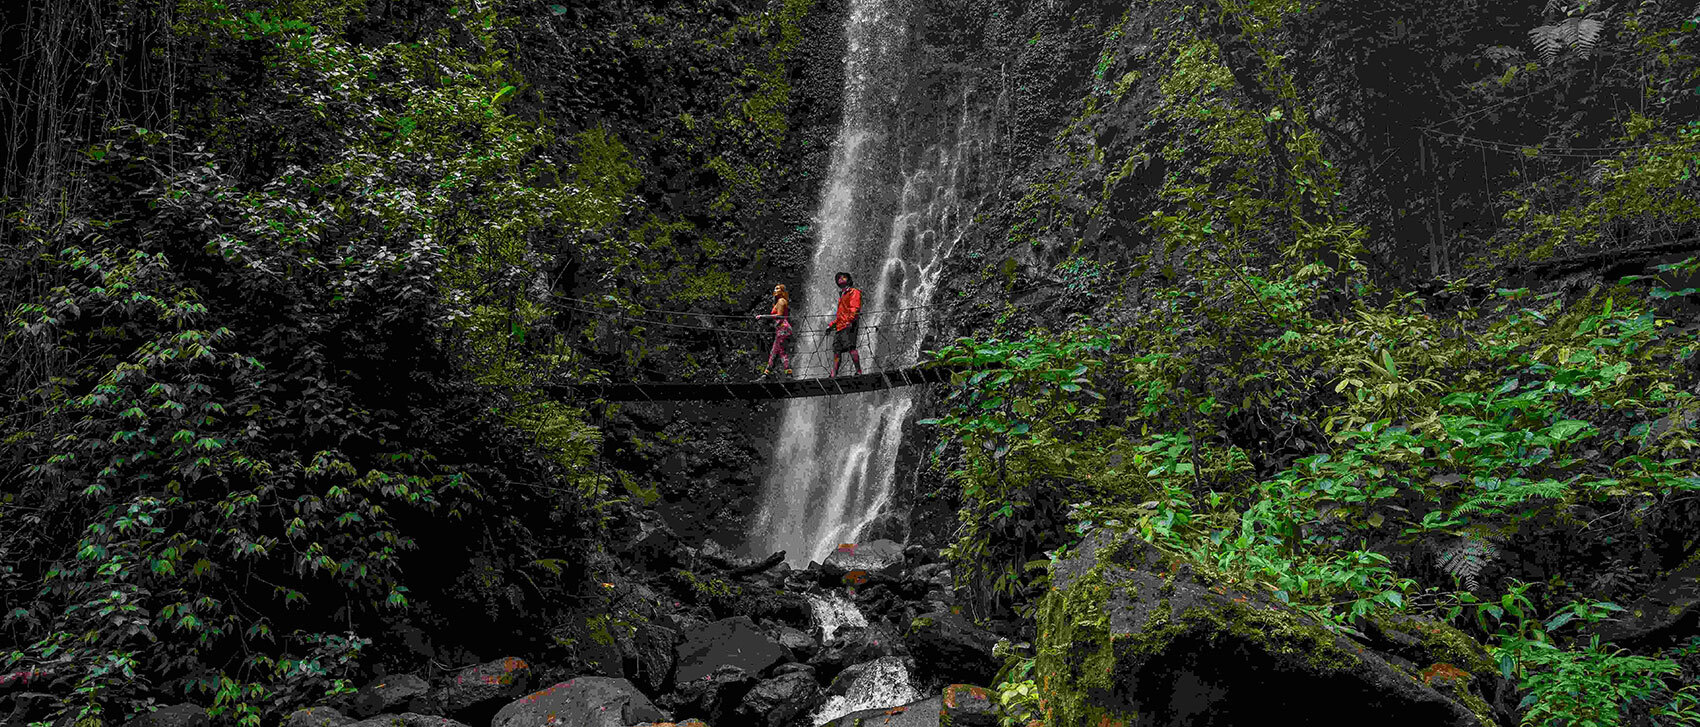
(774, 389)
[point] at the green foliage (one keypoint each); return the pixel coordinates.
(258, 394)
(1018, 417)
(1591, 685)
(605, 174)
(1275, 418)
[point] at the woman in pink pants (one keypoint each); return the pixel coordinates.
(782, 330)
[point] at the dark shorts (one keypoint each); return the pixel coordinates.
(844, 340)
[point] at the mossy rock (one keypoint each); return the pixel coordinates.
(1128, 636)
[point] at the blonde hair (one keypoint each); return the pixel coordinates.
(780, 291)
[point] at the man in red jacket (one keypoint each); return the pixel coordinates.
(844, 327)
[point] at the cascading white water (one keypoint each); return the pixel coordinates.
(881, 683)
(833, 465)
(833, 611)
(884, 683)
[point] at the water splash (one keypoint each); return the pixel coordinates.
(833, 467)
(884, 684)
(832, 612)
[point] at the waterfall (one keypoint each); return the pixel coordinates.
(891, 211)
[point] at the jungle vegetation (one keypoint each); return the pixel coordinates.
(283, 282)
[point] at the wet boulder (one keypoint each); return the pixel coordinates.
(625, 640)
(793, 667)
(713, 696)
(923, 713)
(735, 641)
(949, 647)
(1130, 636)
(722, 557)
(965, 705)
(392, 693)
(874, 555)
(801, 645)
(857, 644)
(647, 654)
(778, 701)
(860, 678)
(176, 715)
(475, 693)
(581, 702)
(651, 543)
(785, 607)
(317, 717)
(408, 719)
(1669, 611)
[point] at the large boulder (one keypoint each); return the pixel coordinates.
(392, 693)
(949, 647)
(778, 701)
(317, 717)
(627, 639)
(874, 555)
(408, 719)
(581, 702)
(965, 705)
(859, 678)
(1129, 636)
(801, 645)
(1669, 611)
(854, 645)
(714, 696)
(650, 542)
(883, 681)
(923, 713)
(735, 641)
(176, 715)
(475, 693)
(789, 608)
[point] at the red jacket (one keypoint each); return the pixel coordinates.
(849, 306)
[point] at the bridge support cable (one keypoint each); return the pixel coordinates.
(720, 357)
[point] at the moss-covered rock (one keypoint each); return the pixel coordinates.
(1129, 637)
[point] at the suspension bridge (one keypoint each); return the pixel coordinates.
(718, 357)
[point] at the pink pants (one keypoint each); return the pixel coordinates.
(782, 335)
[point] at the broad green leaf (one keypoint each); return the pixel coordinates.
(1566, 429)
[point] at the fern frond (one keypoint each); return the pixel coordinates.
(1587, 33)
(1547, 40)
(1465, 557)
(1511, 494)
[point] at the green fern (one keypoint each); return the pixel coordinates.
(1465, 557)
(1513, 493)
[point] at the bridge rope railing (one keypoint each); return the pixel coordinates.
(565, 300)
(632, 345)
(735, 348)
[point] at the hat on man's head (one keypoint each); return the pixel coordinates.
(846, 276)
